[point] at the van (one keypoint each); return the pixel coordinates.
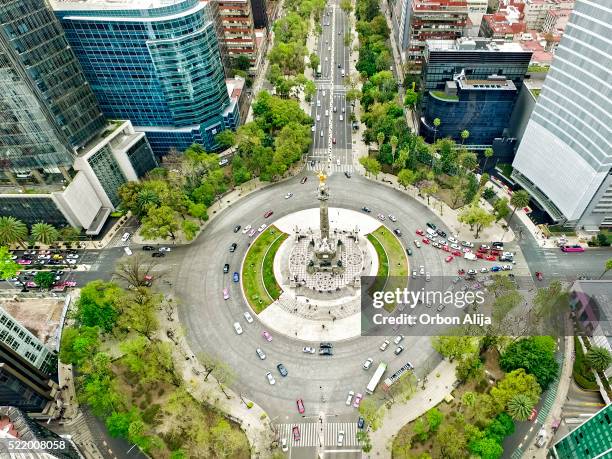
(318, 103)
(343, 73)
(125, 237)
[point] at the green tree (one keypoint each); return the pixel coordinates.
(421, 429)
(464, 135)
(198, 211)
(469, 161)
(486, 448)
(430, 189)
(226, 138)
(12, 231)
(99, 389)
(519, 199)
(44, 233)
(488, 153)
(310, 89)
(455, 347)
(411, 98)
(477, 217)
(434, 419)
(118, 423)
(44, 279)
(469, 368)
(69, 234)
(96, 305)
(450, 442)
(371, 165)
(406, 177)
(369, 410)
(159, 223)
(519, 407)
(393, 142)
(515, 382)
(190, 229)
(380, 139)
(314, 61)
(346, 6)
(599, 358)
(8, 268)
(535, 355)
(241, 62)
(436, 123)
(78, 344)
(607, 267)
(501, 209)
(363, 437)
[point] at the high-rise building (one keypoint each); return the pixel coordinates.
(49, 121)
(400, 21)
(564, 159)
(260, 13)
(592, 439)
(237, 29)
(15, 425)
(433, 19)
(471, 83)
(156, 63)
(536, 11)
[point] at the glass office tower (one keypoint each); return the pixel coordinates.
(156, 63)
(565, 157)
(47, 109)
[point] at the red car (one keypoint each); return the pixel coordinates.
(425, 241)
(495, 252)
(539, 275)
(296, 433)
(334, 140)
(533, 415)
(456, 253)
(480, 255)
(420, 232)
(267, 336)
(449, 259)
(491, 258)
(268, 213)
(300, 405)
(481, 250)
(446, 248)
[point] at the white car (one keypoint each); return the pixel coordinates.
(125, 237)
(260, 354)
(71, 255)
(455, 246)
(248, 317)
(284, 445)
(381, 217)
(384, 345)
(271, 379)
(318, 117)
(421, 270)
(417, 243)
(392, 218)
(313, 128)
(341, 118)
(427, 277)
(74, 262)
(467, 244)
(349, 398)
(341, 438)
(414, 274)
(288, 195)
(262, 227)
(442, 241)
(398, 339)
(165, 249)
(452, 240)
(308, 350)
(246, 229)
(484, 270)
(368, 363)
(238, 328)
(504, 267)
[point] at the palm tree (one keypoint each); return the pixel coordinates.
(12, 230)
(393, 141)
(520, 406)
(380, 138)
(436, 123)
(608, 267)
(518, 199)
(145, 199)
(464, 135)
(44, 233)
(599, 358)
(487, 154)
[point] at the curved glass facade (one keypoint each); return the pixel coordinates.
(159, 67)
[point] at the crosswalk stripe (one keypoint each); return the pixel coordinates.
(310, 434)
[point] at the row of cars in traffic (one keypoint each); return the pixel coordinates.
(50, 257)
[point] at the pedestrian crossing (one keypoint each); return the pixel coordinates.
(311, 434)
(327, 167)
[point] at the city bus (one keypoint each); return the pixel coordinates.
(319, 71)
(572, 248)
(382, 367)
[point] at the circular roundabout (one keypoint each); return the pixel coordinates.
(306, 290)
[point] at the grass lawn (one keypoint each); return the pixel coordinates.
(392, 261)
(260, 286)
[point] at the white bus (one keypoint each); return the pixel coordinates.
(376, 377)
(319, 71)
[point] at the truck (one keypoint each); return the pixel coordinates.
(376, 377)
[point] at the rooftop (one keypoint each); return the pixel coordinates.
(474, 44)
(111, 4)
(501, 23)
(41, 316)
(494, 83)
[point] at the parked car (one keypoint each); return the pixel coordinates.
(449, 259)
(148, 248)
(398, 350)
(417, 243)
(271, 379)
(384, 345)
(260, 354)
(367, 364)
(158, 254)
(357, 400)
(246, 229)
(392, 218)
(266, 335)
(248, 317)
(349, 398)
(238, 328)
(431, 225)
(360, 423)
(262, 227)
(398, 339)
(420, 232)
(308, 350)
(282, 370)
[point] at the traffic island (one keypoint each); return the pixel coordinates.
(258, 282)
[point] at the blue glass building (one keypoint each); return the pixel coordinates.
(483, 107)
(156, 63)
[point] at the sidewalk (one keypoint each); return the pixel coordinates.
(254, 421)
(439, 386)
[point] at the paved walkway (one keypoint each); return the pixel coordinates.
(439, 385)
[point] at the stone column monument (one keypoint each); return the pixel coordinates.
(323, 196)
